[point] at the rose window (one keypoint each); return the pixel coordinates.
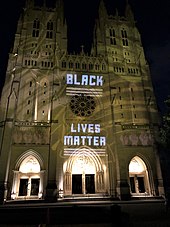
(82, 106)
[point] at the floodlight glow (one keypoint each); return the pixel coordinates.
(136, 166)
(30, 164)
(82, 165)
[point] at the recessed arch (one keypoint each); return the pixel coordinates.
(138, 177)
(84, 172)
(84, 152)
(137, 165)
(30, 165)
(27, 153)
(28, 176)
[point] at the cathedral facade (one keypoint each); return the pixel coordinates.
(77, 124)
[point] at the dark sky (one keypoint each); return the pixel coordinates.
(152, 19)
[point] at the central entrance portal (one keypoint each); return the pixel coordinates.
(83, 184)
(84, 174)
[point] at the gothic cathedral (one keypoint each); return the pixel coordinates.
(77, 125)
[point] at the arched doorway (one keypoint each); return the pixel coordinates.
(28, 179)
(138, 176)
(84, 173)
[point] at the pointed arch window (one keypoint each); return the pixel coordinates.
(30, 164)
(63, 64)
(112, 36)
(71, 65)
(77, 65)
(90, 66)
(49, 33)
(103, 67)
(138, 177)
(28, 178)
(97, 66)
(84, 66)
(124, 37)
(36, 28)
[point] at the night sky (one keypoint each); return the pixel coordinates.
(152, 19)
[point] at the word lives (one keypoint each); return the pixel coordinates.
(86, 134)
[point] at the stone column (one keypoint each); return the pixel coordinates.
(100, 181)
(41, 186)
(67, 183)
(14, 184)
(123, 189)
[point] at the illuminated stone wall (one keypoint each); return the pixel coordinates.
(82, 117)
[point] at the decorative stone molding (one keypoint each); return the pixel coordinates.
(31, 135)
(137, 139)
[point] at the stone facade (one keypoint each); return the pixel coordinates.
(78, 124)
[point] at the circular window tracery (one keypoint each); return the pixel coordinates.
(82, 106)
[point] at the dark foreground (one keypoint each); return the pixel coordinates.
(151, 213)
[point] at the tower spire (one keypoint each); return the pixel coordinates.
(102, 10)
(128, 12)
(60, 5)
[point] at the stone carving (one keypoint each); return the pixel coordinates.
(136, 139)
(151, 140)
(31, 135)
(124, 139)
(144, 138)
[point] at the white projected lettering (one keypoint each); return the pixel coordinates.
(77, 140)
(84, 140)
(90, 128)
(91, 80)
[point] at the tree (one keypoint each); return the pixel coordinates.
(164, 149)
(165, 129)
